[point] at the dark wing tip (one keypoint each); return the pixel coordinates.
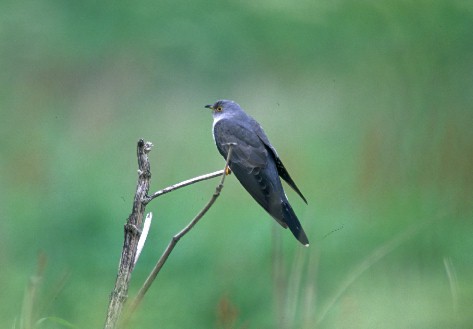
(302, 197)
(285, 176)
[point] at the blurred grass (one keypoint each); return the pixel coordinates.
(368, 104)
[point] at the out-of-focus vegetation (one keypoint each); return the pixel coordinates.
(369, 104)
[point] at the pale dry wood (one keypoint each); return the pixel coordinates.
(132, 232)
(174, 240)
(133, 227)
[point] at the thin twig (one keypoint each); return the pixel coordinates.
(175, 239)
(183, 184)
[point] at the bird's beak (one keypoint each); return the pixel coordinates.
(209, 107)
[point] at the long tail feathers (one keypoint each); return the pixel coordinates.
(293, 223)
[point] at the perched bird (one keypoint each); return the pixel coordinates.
(255, 163)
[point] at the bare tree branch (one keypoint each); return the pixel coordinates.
(132, 236)
(175, 239)
(183, 184)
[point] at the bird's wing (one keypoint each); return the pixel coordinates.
(249, 151)
(282, 171)
(250, 164)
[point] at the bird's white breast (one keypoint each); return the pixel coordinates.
(216, 119)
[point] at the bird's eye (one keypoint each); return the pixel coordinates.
(219, 109)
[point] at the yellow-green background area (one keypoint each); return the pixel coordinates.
(369, 104)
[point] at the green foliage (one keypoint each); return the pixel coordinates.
(367, 102)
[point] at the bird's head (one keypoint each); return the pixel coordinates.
(225, 108)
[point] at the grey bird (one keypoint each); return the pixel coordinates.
(255, 163)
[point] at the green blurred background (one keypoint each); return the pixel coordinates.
(369, 104)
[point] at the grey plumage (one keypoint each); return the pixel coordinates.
(255, 163)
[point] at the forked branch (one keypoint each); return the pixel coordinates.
(133, 233)
(175, 239)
